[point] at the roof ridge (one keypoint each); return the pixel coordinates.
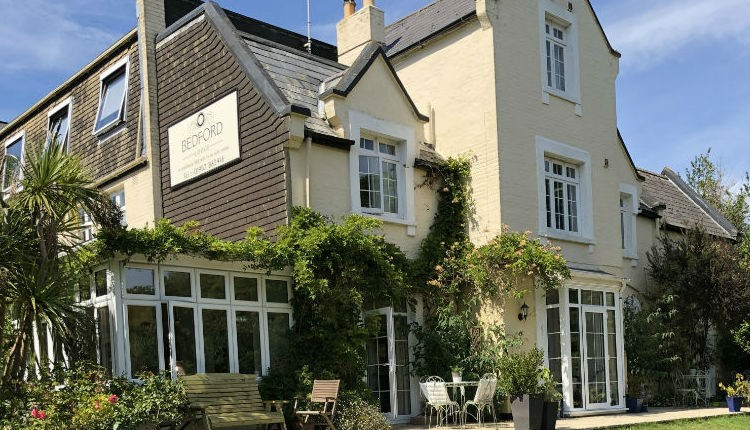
(650, 172)
(413, 13)
(290, 49)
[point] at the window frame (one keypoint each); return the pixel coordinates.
(159, 332)
(227, 290)
(18, 137)
(361, 123)
(67, 105)
(123, 206)
(566, 181)
(551, 42)
(130, 296)
(547, 148)
(628, 210)
(163, 289)
(86, 225)
(554, 15)
(107, 75)
(382, 157)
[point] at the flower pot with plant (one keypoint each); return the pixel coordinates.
(456, 373)
(521, 378)
(552, 399)
(737, 393)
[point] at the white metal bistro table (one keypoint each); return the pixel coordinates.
(460, 387)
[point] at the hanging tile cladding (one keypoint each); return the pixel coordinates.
(195, 69)
(100, 156)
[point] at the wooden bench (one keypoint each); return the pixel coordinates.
(229, 400)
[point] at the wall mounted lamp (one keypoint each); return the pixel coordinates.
(524, 312)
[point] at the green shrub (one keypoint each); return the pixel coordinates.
(358, 414)
(87, 399)
(522, 373)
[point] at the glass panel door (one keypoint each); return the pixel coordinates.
(403, 381)
(388, 364)
(378, 364)
(183, 338)
(595, 359)
(216, 351)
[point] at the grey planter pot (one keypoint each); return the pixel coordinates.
(527, 412)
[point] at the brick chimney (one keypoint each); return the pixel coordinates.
(151, 20)
(358, 28)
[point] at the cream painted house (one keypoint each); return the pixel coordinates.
(527, 89)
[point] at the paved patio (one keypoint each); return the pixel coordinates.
(603, 421)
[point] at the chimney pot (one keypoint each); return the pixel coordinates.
(369, 3)
(349, 6)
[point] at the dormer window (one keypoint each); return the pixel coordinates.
(379, 176)
(12, 163)
(58, 126)
(112, 97)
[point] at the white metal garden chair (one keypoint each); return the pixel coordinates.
(436, 396)
(484, 398)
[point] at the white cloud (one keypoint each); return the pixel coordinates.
(665, 27)
(43, 35)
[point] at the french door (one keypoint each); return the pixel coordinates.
(595, 363)
(584, 347)
(388, 364)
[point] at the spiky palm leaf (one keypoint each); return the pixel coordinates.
(38, 232)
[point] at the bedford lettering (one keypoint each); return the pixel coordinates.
(202, 136)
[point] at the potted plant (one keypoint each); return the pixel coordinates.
(737, 393)
(552, 399)
(521, 378)
(634, 396)
(456, 372)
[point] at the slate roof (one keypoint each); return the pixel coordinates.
(682, 207)
(425, 23)
(297, 74)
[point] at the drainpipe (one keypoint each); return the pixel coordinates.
(308, 151)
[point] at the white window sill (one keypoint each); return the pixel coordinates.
(629, 254)
(568, 237)
(411, 225)
(547, 91)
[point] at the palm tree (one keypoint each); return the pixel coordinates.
(39, 223)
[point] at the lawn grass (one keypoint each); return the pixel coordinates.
(728, 422)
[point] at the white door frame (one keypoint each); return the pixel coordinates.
(394, 416)
(587, 404)
(172, 347)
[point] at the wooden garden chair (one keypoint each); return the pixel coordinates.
(324, 393)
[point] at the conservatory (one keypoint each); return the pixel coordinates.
(187, 315)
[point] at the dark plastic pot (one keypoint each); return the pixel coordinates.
(735, 403)
(527, 412)
(549, 416)
(635, 405)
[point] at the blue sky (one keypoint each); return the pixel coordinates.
(684, 82)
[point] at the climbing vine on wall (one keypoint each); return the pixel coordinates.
(457, 279)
